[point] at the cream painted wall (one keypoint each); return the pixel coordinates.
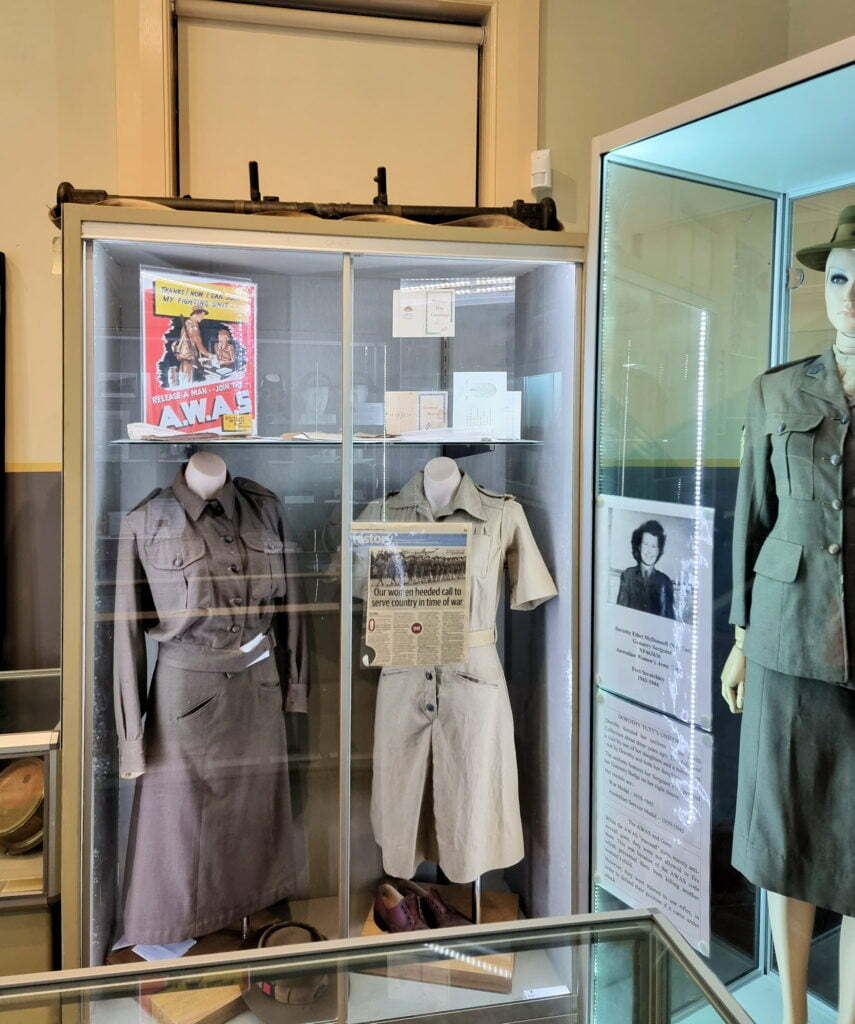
(57, 118)
(812, 24)
(606, 64)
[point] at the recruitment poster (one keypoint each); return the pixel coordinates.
(654, 605)
(414, 579)
(653, 814)
(198, 352)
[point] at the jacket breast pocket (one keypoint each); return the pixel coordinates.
(793, 437)
(480, 552)
(266, 565)
(178, 573)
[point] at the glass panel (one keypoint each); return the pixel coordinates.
(462, 378)
(391, 983)
(685, 310)
(211, 606)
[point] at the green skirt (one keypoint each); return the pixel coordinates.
(794, 832)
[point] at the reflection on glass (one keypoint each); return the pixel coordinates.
(462, 369)
(213, 648)
(613, 973)
(685, 300)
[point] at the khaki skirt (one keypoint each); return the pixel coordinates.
(794, 832)
(211, 838)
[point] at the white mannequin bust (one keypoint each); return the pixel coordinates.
(442, 478)
(792, 920)
(205, 474)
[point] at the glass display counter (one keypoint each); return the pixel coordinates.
(318, 578)
(622, 968)
(703, 296)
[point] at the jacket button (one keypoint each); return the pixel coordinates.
(228, 540)
(844, 419)
(176, 562)
(234, 629)
(236, 601)
(833, 549)
(835, 459)
(837, 504)
(430, 707)
(782, 427)
(234, 568)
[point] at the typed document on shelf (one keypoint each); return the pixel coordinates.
(654, 604)
(653, 814)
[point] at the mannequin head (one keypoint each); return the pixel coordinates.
(840, 295)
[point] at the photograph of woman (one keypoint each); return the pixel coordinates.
(642, 586)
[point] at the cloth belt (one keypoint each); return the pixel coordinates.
(482, 637)
(197, 658)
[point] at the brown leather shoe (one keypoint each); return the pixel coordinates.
(394, 912)
(434, 909)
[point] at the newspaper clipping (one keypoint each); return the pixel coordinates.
(415, 583)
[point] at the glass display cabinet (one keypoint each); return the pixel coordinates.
(698, 214)
(295, 664)
(377, 979)
(29, 794)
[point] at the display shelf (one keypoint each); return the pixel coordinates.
(327, 444)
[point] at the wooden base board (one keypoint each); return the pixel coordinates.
(493, 973)
(215, 1005)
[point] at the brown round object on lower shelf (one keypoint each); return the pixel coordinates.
(26, 845)
(22, 793)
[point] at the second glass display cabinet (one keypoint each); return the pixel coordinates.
(318, 577)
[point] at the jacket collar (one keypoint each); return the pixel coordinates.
(194, 505)
(821, 379)
(467, 498)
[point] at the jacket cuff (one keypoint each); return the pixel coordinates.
(131, 757)
(297, 699)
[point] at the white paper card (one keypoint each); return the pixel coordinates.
(479, 401)
(164, 952)
(653, 814)
(440, 313)
(654, 605)
(423, 313)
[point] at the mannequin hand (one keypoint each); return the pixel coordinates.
(733, 680)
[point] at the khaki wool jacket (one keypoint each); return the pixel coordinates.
(794, 523)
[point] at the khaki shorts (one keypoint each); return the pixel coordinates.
(450, 727)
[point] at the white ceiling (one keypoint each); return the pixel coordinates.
(797, 139)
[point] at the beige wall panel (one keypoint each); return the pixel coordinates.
(57, 111)
(604, 65)
(812, 24)
(25, 948)
(320, 111)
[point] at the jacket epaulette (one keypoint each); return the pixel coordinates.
(245, 484)
(145, 500)
(494, 494)
(793, 362)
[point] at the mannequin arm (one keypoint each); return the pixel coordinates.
(733, 675)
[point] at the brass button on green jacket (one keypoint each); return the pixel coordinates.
(794, 525)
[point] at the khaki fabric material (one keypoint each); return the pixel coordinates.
(795, 813)
(794, 524)
(445, 775)
(211, 835)
(209, 576)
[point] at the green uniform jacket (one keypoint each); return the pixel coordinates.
(788, 530)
